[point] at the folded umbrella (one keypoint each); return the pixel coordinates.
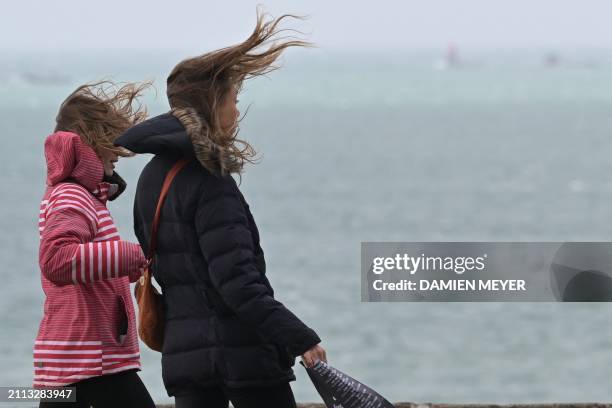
(339, 390)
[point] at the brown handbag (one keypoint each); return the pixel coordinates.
(151, 315)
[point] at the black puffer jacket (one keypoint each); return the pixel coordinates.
(223, 325)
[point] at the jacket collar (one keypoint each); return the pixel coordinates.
(163, 134)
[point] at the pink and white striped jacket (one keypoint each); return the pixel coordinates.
(89, 326)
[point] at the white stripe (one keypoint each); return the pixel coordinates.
(91, 259)
(71, 204)
(114, 370)
(106, 227)
(61, 377)
(41, 219)
(66, 186)
(108, 260)
(90, 210)
(121, 355)
(106, 237)
(73, 267)
(73, 189)
(100, 254)
(108, 234)
(60, 369)
(38, 351)
(116, 249)
(51, 383)
(82, 248)
(107, 365)
(85, 202)
(67, 360)
(88, 203)
(103, 212)
(74, 207)
(44, 202)
(71, 192)
(104, 219)
(68, 343)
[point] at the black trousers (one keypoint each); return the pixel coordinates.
(279, 396)
(124, 389)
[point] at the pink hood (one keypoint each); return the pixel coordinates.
(69, 157)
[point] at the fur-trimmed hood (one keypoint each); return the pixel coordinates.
(180, 131)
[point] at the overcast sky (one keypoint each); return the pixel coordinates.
(350, 25)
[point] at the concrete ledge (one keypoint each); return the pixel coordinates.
(428, 405)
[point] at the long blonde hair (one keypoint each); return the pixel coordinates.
(199, 84)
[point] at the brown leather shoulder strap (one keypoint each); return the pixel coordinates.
(178, 166)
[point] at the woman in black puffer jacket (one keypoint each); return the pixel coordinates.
(226, 337)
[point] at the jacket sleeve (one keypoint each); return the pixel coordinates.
(68, 254)
(227, 246)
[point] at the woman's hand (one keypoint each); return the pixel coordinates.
(315, 353)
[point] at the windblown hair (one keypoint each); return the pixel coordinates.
(197, 86)
(100, 112)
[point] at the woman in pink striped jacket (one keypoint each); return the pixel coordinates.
(87, 337)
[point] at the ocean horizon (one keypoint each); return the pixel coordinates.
(356, 147)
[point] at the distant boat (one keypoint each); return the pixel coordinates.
(451, 59)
